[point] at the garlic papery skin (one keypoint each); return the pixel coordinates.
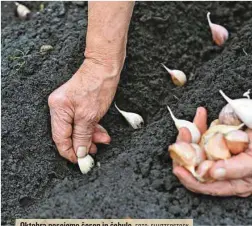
(203, 171)
(179, 123)
(184, 155)
(237, 141)
(135, 120)
(200, 153)
(223, 129)
(22, 11)
(219, 33)
(178, 77)
(247, 93)
(242, 108)
(216, 148)
(86, 163)
(215, 123)
(228, 116)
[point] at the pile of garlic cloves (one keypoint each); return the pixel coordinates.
(228, 135)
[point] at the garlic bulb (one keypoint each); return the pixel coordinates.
(216, 148)
(135, 120)
(184, 155)
(200, 153)
(86, 163)
(179, 123)
(242, 108)
(22, 11)
(237, 141)
(227, 116)
(178, 77)
(219, 33)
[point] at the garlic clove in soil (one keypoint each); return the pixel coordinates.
(203, 171)
(228, 116)
(237, 141)
(200, 153)
(22, 11)
(184, 155)
(219, 33)
(178, 77)
(223, 129)
(179, 123)
(216, 148)
(242, 108)
(86, 163)
(135, 120)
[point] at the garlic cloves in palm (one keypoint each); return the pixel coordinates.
(86, 163)
(135, 120)
(184, 155)
(22, 11)
(219, 33)
(216, 148)
(242, 107)
(228, 116)
(178, 77)
(179, 123)
(237, 141)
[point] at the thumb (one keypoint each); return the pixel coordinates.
(237, 167)
(82, 137)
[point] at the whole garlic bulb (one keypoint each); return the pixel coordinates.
(228, 116)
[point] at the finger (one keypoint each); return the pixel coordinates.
(219, 188)
(61, 124)
(237, 167)
(184, 135)
(93, 149)
(82, 137)
(99, 128)
(99, 137)
(200, 119)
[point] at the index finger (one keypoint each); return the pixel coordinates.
(200, 119)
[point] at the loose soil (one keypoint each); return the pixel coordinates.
(135, 177)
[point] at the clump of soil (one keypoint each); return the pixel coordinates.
(135, 178)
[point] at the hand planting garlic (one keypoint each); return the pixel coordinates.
(86, 163)
(179, 123)
(219, 33)
(135, 120)
(242, 107)
(178, 77)
(22, 11)
(228, 116)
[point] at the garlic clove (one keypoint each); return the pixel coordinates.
(216, 148)
(178, 77)
(179, 123)
(228, 116)
(237, 141)
(86, 163)
(203, 171)
(215, 123)
(223, 129)
(135, 120)
(249, 132)
(219, 33)
(200, 153)
(242, 108)
(22, 11)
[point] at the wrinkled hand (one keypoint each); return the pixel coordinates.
(233, 176)
(77, 106)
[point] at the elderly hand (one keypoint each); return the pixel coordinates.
(77, 106)
(233, 176)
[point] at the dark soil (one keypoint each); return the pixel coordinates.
(135, 178)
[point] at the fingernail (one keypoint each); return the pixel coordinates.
(219, 173)
(81, 152)
(102, 129)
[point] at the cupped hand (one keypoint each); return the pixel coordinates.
(232, 176)
(77, 106)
